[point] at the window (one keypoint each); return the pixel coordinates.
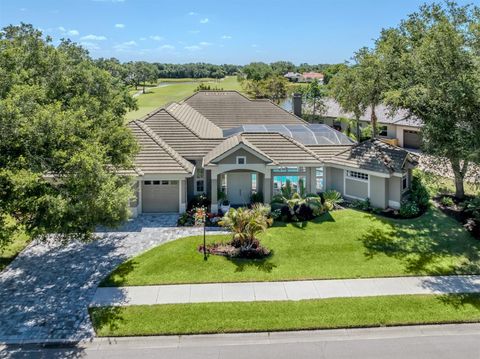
(200, 186)
(289, 169)
(254, 182)
(241, 160)
(147, 183)
(357, 175)
(295, 181)
(319, 179)
(405, 182)
(383, 131)
(223, 182)
(200, 173)
(199, 180)
(165, 182)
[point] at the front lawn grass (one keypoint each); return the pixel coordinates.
(340, 244)
(286, 315)
(175, 91)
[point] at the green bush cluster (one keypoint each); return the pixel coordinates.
(419, 198)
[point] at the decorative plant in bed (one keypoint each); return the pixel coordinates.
(246, 224)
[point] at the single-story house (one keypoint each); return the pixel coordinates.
(292, 76)
(311, 76)
(402, 129)
(222, 141)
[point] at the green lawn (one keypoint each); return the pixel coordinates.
(286, 315)
(12, 249)
(159, 96)
(340, 244)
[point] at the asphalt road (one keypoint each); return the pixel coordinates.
(447, 341)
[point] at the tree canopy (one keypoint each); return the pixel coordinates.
(433, 67)
(62, 138)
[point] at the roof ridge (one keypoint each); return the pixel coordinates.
(188, 107)
(187, 166)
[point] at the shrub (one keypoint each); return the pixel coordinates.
(447, 201)
(304, 212)
(362, 205)
(332, 199)
(419, 193)
(256, 197)
(200, 200)
(472, 207)
(409, 209)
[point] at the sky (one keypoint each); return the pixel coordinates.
(226, 31)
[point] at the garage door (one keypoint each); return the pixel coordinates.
(160, 196)
(411, 139)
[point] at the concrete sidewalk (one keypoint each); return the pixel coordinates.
(290, 290)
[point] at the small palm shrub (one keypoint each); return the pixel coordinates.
(246, 224)
(447, 201)
(332, 199)
(409, 209)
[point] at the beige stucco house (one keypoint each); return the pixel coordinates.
(221, 141)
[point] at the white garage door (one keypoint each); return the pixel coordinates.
(411, 139)
(160, 196)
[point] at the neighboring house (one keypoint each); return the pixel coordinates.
(404, 130)
(222, 141)
(293, 76)
(311, 76)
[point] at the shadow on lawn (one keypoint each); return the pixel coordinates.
(427, 245)
(119, 274)
(263, 265)
(325, 217)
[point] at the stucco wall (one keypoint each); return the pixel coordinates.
(232, 158)
(333, 179)
(357, 189)
(378, 191)
(394, 191)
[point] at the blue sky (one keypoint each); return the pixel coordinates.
(227, 31)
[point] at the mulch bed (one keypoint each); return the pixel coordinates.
(228, 250)
(456, 212)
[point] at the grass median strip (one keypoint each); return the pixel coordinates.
(233, 317)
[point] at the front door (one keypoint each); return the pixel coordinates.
(239, 187)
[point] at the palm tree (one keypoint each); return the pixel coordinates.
(246, 224)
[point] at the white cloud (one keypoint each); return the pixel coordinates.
(156, 37)
(109, 1)
(192, 13)
(254, 45)
(125, 46)
(23, 9)
(194, 31)
(167, 47)
(226, 37)
(119, 26)
(92, 37)
(73, 32)
(62, 29)
(143, 38)
(204, 43)
(204, 21)
(90, 45)
(192, 48)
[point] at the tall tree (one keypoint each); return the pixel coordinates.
(371, 74)
(257, 71)
(345, 88)
(433, 65)
(314, 93)
(63, 138)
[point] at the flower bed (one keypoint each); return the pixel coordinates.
(187, 219)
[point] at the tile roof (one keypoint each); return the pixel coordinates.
(228, 109)
(155, 155)
(282, 149)
(313, 75)
(230, 143)
(178, 136)
(194, 121)
(326, 152)
(374, 155)
(401, 117)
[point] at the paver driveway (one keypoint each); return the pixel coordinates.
(45, 292)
